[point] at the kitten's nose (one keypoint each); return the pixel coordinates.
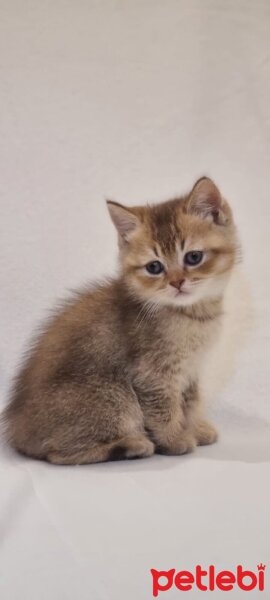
(177, 284)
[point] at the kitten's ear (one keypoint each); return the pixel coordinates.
(206, 201)
(123, 218)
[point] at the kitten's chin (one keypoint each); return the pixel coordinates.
(180, 300)
(184, 300)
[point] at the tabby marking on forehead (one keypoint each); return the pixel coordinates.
(164, 225)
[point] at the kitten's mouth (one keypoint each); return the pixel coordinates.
(182, 293)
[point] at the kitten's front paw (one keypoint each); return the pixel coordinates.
(183, 445)
(205, 433)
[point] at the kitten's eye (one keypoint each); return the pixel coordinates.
(155, 267)
(193, 258)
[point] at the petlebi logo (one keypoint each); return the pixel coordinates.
(208, 579)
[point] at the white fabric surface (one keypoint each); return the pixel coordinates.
(134, 100)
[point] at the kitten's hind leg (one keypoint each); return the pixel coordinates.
(108, 425)
(76, 424)
(128, 447)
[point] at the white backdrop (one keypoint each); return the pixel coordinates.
(133, 101)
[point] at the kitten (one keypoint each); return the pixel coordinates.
(115, 373)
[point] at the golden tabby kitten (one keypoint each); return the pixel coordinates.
(115, 374)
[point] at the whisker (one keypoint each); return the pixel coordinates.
(147, 310)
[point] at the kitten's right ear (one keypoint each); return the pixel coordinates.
(123, 218)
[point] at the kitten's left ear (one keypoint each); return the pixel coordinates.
(124, 219)
(206, 201)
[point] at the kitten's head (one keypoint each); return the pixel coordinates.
(179, 252)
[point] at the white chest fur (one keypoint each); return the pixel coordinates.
(186, 348)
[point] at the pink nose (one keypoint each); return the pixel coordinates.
(177, 284)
